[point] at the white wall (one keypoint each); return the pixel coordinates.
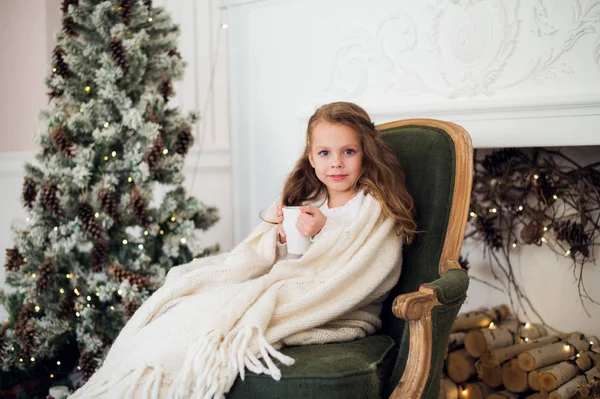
(203, 44)
(513, 73)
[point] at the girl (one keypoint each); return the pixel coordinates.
(218, 316)
(344, 156)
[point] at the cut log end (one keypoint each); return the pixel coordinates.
(526, 361)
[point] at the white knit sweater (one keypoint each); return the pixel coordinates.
(218, 316)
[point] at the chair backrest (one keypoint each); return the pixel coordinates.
(427, 150)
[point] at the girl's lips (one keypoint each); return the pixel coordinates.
(337, 177)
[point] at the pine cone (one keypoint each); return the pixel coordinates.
(99, 255)
(166, 89)
(14, 259)
(54, 93)
(153, 156)
(531, 233)
(119, 273)
(29, 192)
(25, 314)
(62, 68)
(174, 53)
(88, 364)
(109, 204)
(28, 341)
(86, 215)
(139, 207)
(126, 11)
(117, 52)
(574, 234)
(64, 310)
(69, 27)
(3, 342)
(45, 272)
(131, 307)
(50, 200)
(184, 140)
(66, 3)
(62, 142)
(148, 4)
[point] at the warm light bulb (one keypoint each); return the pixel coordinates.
(81, 110)
(568, 252)
(112, 308)
(58, 363)
(140, 246)
(544, 240)
(87, 89)
(183, 240)
(37, 308)
(62, 291)
(514, 245)
(520, 207)
(161, 232)
(165, 151)
(567, 347)
(472, 214)
(106, 157)
(555, 196)
(114, 154)
(526, 340)
(536, 177)
(106, 124)
(545, 228)
(146, 232)
(527, 325)
(120, 292)
(129, 179)
(89, 298)
(124, 242)
(150, 19)
(492, 325)
(32, 359)
(97, 294)
(51, 375)
(96, 214)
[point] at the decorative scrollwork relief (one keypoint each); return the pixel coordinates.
(472, 44)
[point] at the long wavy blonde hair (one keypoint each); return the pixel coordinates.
(381, 174)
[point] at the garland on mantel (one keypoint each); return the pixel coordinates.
(535, 196)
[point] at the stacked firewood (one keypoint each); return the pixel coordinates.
(492, 355)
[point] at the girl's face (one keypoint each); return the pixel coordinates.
(336, 155)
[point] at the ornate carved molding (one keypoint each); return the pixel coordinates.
(471, 43)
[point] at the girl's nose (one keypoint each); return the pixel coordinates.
(336, 162)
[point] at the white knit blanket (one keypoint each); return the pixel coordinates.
(218, 316)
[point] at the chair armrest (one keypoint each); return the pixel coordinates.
(448, 291)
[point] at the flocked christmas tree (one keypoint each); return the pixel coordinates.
(94, 248)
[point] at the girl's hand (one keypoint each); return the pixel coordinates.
(280, 232)
(310, 221)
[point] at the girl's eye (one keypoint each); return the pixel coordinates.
(349, 151)
(324, 153)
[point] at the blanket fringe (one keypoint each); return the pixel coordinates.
(215, 360)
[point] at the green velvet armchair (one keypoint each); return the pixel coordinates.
(404, 359)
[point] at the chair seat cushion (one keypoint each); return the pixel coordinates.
(356, 369)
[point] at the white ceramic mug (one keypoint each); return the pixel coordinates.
(297, 244)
